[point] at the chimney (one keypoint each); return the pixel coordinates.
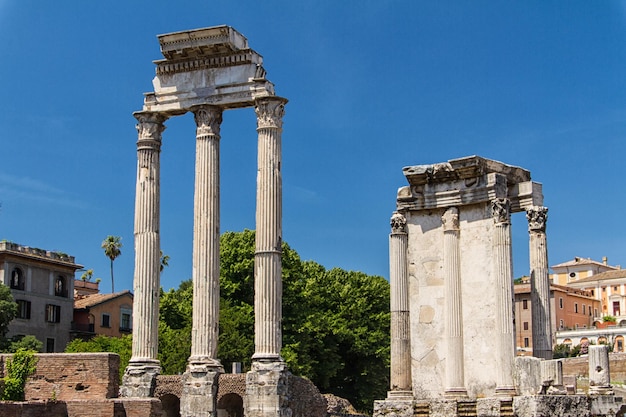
(605, 260)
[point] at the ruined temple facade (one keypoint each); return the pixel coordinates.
(205, 72)
(452, 309)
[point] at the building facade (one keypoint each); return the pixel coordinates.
(609, 288)
(42, 284)
(579, 268)
(570, 309)
(103, 314)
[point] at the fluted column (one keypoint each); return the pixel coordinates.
(455, 378)
(267, 383)
(206, 237)
(539, 282)
(401, 384)
(503, 270)
(199, 391)
(599, 372)
(141, 372)
(267, 257)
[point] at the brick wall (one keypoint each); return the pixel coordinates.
(579, 366)
(77, 376)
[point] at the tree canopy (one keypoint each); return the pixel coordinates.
(8, 311)
(335, 322)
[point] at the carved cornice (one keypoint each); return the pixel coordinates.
(208, 120)
(398, 224)
(193, 64)
(537, 218)
(500, 210)
(450, 219)
(270, 112)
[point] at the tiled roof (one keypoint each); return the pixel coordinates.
(603, 276)
(582, 261)
(95, 299)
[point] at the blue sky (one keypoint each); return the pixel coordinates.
(373, 86)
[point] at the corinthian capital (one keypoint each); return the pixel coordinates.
(450, 219)
(398, 223)
(270, 112)
(208, 120)
(500, 210)
(537, 217)
(150, 125)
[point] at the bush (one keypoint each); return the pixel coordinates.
(19, 367)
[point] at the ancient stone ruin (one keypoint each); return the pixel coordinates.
(205, 72)
(452, 317)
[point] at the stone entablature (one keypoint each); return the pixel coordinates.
(464, 181)
(206, 66)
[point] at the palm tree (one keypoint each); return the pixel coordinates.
(165, 259)
(111, 246)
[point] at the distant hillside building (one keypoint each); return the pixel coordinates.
(579, 268)
(42, 284)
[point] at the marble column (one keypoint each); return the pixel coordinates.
(503, 270)
(199, 393)
(455, 378)
(267, 382)
(140, 376)
(401, 384)
(267, 257)
(599, 372)
(539, 282)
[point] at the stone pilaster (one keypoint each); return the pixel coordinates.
(199, 393)
(140, 375)
(503, 271)
(401, 385)
(267, 381)
(455, 379)
(539, 282)
(599, 372)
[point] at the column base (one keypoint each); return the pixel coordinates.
(506, 391)
(457, 393)
(267, 390)
(199, 391)
(400, 395)
(139, 380)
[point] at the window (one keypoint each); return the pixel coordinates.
(17, 279)
(593, 292)
(561, 302)
(525, 325)
(53, 313)
(616, 310)
(575, 307)
(560, 324)
(584, 309)
(50, 345)
(60, 289)
(526, 342)
(126, 319)
(595, 312)
(589, 311)
(525, 304)
(106, 320)
(23, 309)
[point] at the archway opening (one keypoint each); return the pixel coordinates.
(231, 404)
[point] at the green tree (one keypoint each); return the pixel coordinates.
(120, 345)
(18, 368)
(28, 342)
(8, 311)
(165, 261)
(111, 246)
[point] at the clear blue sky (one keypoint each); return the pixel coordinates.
(373, 86)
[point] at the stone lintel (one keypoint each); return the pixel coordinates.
(200, 42)
(463, 169)
(458, 193)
